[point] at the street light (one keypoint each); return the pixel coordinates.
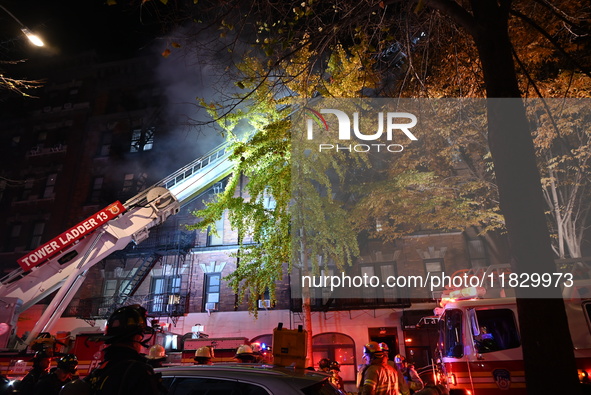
(33, 38)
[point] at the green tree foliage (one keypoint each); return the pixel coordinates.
(279, 198)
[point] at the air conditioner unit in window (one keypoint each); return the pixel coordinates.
(210, 306)
(264, 304)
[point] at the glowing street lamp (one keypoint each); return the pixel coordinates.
(33, 38)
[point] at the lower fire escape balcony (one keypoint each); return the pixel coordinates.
(157, 305)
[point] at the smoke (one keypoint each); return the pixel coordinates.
(197, 67)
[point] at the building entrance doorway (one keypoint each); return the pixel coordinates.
(388, 335)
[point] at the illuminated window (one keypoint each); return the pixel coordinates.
(212, 290)
(166, 291)
(142, 139)
(336, 347)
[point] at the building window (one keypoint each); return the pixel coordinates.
(477, 253)
(217, 237)
(15, 230)
(42, 137)
(434, 265)
(49, 191)
(142, 139)
(115, 285)
(166, 293)
(382, 270)
(27, 190)
(265, 301)
(336, 347)
(105, 148)
(13, 237)
(128, 182)
(97, 186)
(212, 291)
(38, 229)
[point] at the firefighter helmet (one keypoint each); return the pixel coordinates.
(156, 352)
(204, 352)
(125, 323)
(324, 363)
(42, 354)
(244, 349)
(68, 363)
(399, 358)
(372, 348)
(334, 365)
(384, 347)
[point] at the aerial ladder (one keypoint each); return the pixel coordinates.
(62, 263)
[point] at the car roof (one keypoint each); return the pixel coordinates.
(266, 375)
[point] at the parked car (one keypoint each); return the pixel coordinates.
(244, 379)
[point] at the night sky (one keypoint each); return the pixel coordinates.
(70, 26)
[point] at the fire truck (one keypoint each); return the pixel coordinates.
(479, 347)
(62, 263)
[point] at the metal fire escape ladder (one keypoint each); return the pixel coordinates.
(136, 278)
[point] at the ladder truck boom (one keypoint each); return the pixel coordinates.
(67, 269)
(62, 263)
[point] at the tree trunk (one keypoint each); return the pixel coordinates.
(306, 307)
(307, 312)
(543, 323)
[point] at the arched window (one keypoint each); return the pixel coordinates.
(336, 347)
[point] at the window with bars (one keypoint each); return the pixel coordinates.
(166, 292)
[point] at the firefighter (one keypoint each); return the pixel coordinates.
(335, 368)
(124, 370)
(203, 356)
(403, 387)
(324, 365)
(51, 383)
(410, 374)
(156, 356)
(41, 363)
(378, 378)
(244, 354)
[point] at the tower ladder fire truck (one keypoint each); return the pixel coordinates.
(62, 263)
(479, 347)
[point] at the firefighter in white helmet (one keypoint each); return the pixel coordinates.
(156, 356)
(203, 356)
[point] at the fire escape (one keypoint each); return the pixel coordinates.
(166, 246)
